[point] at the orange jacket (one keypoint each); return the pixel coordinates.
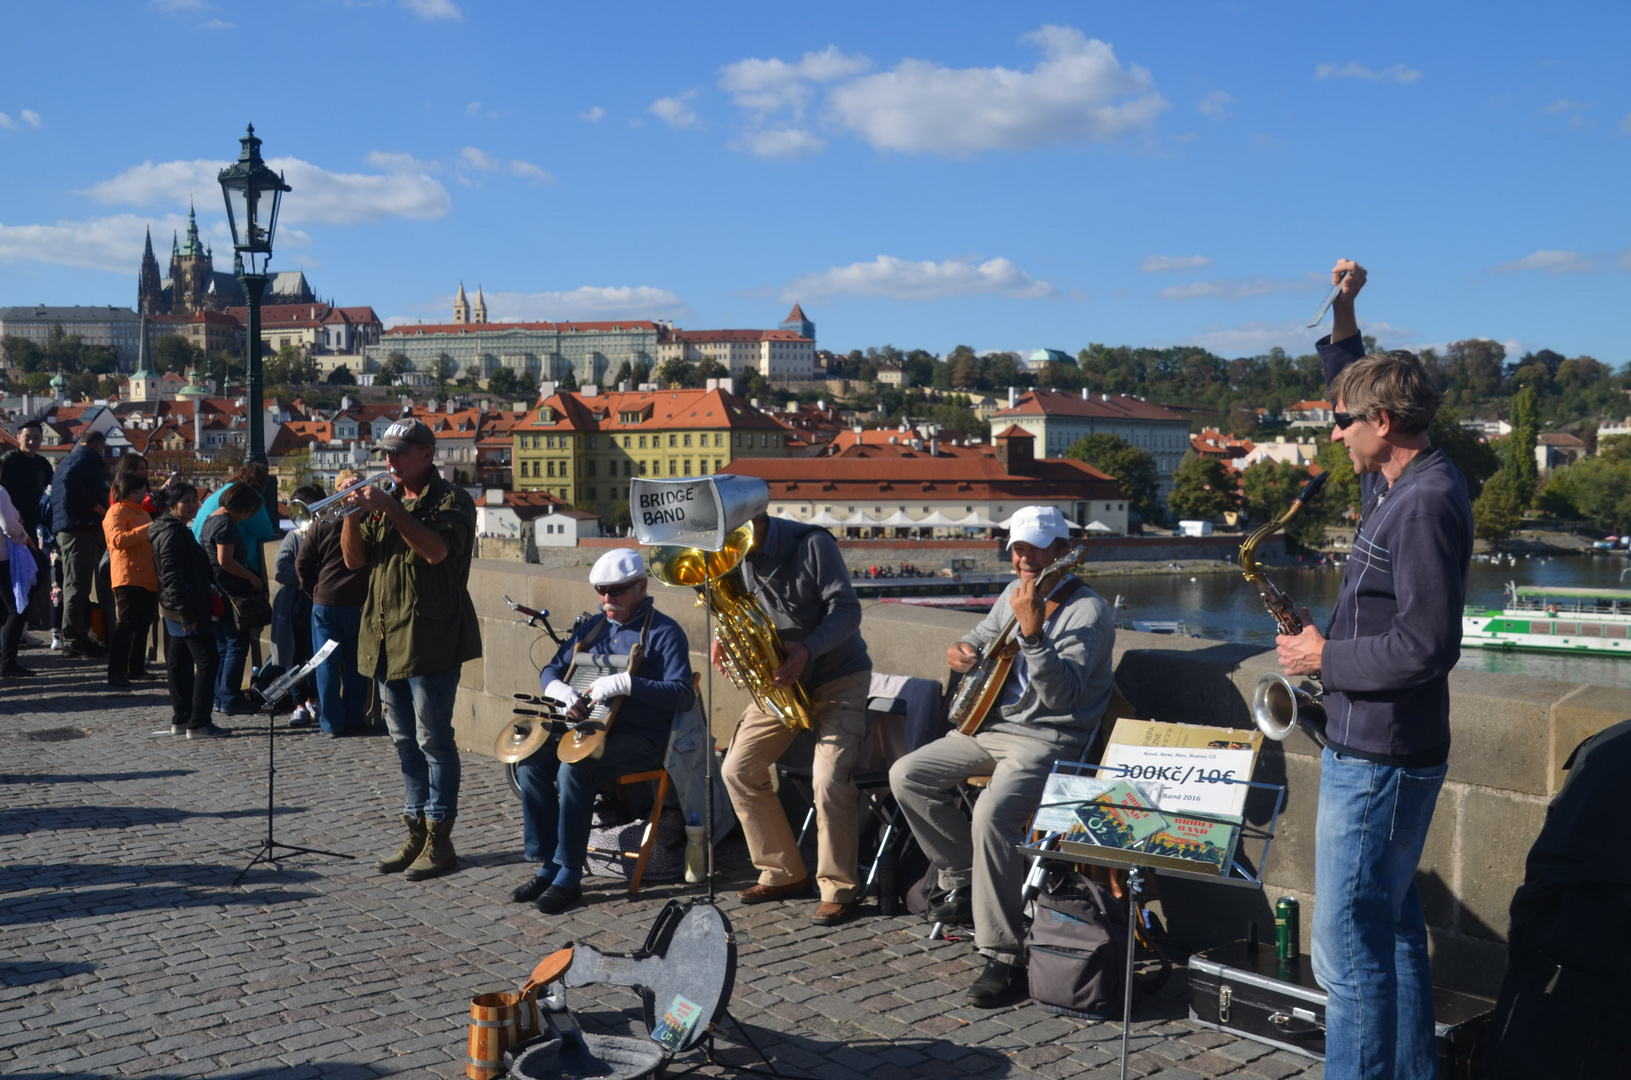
(129, 550)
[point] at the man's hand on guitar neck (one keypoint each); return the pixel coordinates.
(1028, 605)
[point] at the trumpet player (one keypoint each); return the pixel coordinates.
(1384, 660)
(798, 575)
(557, 798)
(418, 629)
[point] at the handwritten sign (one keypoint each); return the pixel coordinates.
(694, 512)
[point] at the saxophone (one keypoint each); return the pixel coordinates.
(751, 644)
(1277, 705)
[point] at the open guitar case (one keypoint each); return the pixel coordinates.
(684, 975)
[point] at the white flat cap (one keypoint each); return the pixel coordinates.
(617, 566)
(1039, 526)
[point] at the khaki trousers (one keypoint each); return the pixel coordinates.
(982, 853)
(839, 710)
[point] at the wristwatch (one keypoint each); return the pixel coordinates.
(1031, 641)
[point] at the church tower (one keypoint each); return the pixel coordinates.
(149, 290)
(797, 322)
(190, 271)
(480, 315)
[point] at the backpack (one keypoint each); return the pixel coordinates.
(1078, 948)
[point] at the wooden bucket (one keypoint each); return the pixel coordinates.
(498, 1020)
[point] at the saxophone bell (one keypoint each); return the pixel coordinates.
(1278, 707)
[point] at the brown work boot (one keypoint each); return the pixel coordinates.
(437, 856)
(409, 851)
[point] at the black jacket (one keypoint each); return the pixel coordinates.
(79, 495)
(184, 572)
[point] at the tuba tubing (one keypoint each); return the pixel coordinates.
(751, 645)
(1278, 706)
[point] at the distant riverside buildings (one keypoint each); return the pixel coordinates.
(584, 448)
(1058, 420)
(116, 328)
(592, 351)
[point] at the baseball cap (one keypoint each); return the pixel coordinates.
(1039, 526)
(404, 433)
(617, 566)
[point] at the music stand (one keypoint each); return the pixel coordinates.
(271, 697)
(1237, 873)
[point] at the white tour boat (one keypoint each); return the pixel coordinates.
(1553, 618)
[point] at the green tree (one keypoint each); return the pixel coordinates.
(1341, 491)
(391, 369)
(1270, 486)
(1134, 470)
(1474, 457)
(341, 376)
(1202, 489)
(1520, 467)
(1598, 487)
(569, 381)
(502, 382)
(172, 352)
(621, 520)
(641, 373)
(1496, 513)
(624, 373)
(443, 368)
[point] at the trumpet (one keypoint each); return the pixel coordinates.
(751, 644)
(336, 505)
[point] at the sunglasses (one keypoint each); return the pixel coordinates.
(1344, 420)
(612, 592)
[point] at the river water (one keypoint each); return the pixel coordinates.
(1225, 607)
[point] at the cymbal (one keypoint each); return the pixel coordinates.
(521, 739)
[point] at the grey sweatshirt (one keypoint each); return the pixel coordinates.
(1071, 672)
(805, 589)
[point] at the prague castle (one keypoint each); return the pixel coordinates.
(195, 286)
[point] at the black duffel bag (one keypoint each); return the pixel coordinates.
(1078, 948)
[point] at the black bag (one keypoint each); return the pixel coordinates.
(1078, 948)
(252, 612)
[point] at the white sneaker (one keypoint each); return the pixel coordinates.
(56, 640)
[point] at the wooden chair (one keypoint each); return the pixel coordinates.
(650, 833)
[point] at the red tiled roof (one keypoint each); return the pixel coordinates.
(796, 315)
(660, 409)
(1013, 431)
(1308, 406)
(702, 337)
(1049, 403)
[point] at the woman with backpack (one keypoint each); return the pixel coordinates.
(186, 599)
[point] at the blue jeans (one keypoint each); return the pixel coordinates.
(558, 801)
(1369, 934)
(342, 691)
(419, 716)
(233, 645)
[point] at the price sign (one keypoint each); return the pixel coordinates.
(1194, 779)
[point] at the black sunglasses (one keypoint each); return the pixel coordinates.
(612, 592)
(1344, 420)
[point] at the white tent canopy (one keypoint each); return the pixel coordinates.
(860, 520)
(899, 520)
(936, 520)
(1096, 526)
(977, 520)
(826, 520)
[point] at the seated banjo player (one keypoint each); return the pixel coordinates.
(620, 678)
(1058, 635)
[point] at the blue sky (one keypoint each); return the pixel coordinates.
(1001, 175)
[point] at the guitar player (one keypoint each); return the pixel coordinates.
(1048, 709)
(557, 798)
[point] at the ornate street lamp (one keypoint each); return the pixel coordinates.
(252, 192)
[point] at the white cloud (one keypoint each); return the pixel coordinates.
(32, 119)
(675, 111)
(1562, 105)
(1551, 261)
(432, 10)
(399, 162)
(585, 304)
(1216, 104)
(1157, 264)
(473, 109)
(1397, 73)
(176, 7)
(594, 115)
(318, 196)
(216, 24)
(898, 279)
(530, 172)
(1078, 93)
(7, 122)
(110, 243)
(479, 159)
(1238, 289)
(769, 86)
(788, 143)
(1257, 338)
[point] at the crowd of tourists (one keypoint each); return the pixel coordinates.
(104, 572)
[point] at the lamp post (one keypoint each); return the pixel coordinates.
(252, 192)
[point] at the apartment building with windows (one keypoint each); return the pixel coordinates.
(1057, 420)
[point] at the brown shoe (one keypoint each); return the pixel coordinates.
(830, 914)
(759, 894)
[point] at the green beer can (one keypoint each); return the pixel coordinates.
(1287, 928)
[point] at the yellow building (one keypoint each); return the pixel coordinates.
(584, 448)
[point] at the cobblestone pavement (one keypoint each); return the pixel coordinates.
(125, 949)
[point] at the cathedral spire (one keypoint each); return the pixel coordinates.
(479, 315)
(461, 306)
(193, 245)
